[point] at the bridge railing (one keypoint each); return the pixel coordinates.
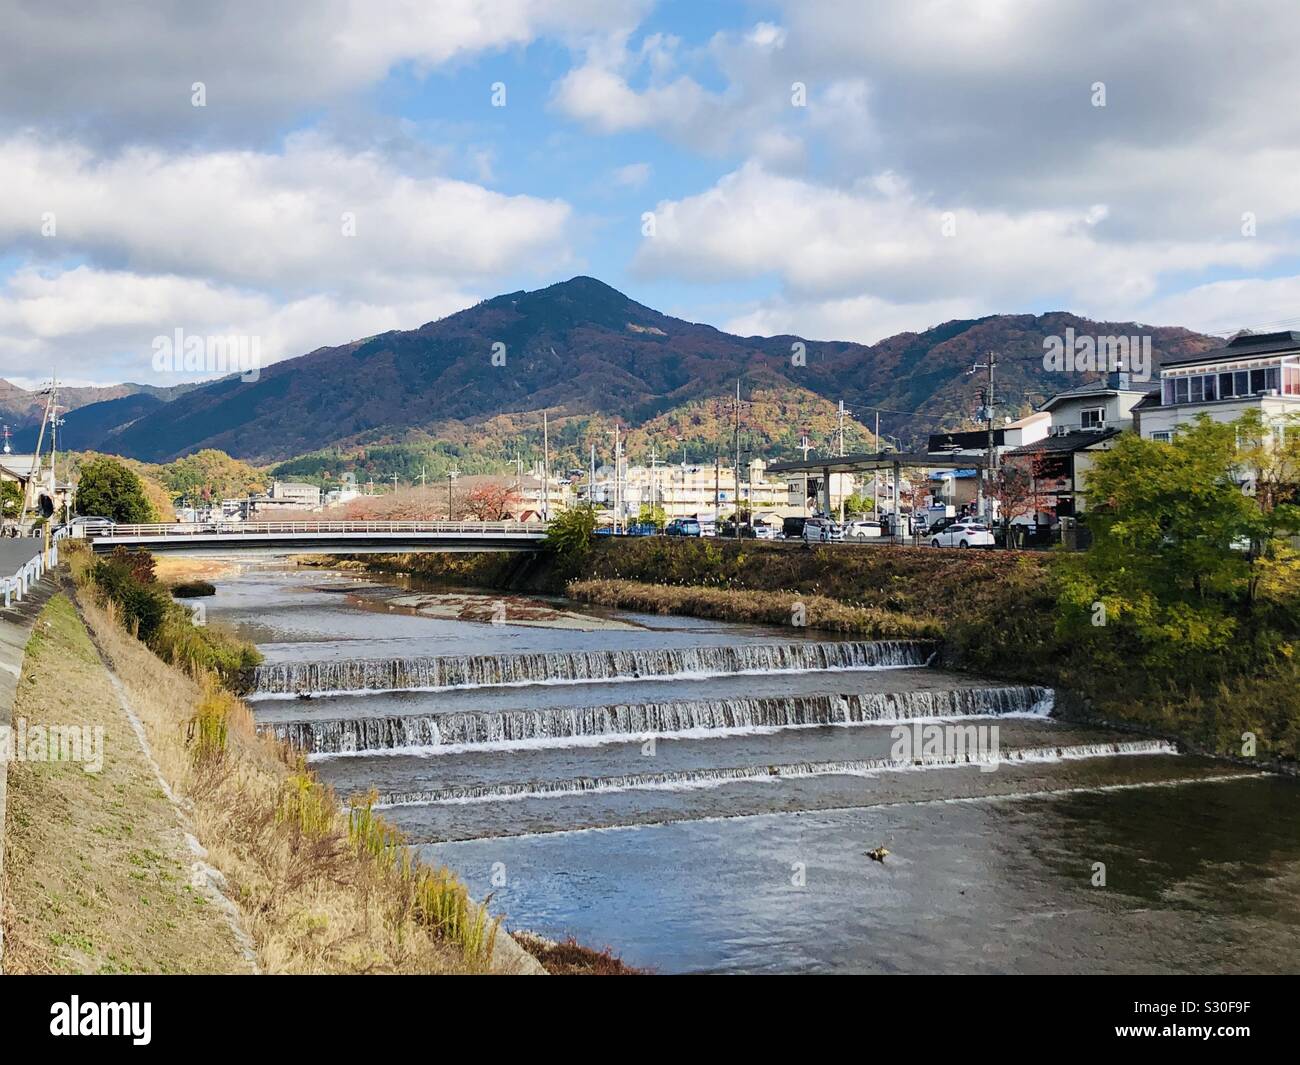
(250, 528)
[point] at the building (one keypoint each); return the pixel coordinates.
(685, 490)
(35, 479)
(1084, 422)
(295, 494)
(1108, 404)
(1253, 371)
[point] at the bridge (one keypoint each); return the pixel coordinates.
(323, 537)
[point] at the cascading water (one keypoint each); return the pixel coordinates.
(570, 725)
(570, 667)
(705, 778)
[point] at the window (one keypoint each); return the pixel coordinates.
(1198, 388)
(1225, 386)
(1211, 387)
(1162, 437)
(1167, 391)
(1180, 390)
(1241, 383)
(1093, 418)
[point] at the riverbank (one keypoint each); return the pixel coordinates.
(994, 613)
(319, 888)
(99, 877)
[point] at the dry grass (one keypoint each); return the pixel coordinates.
(319, 890)
(571, 958)
(769, 608)
(97, 870)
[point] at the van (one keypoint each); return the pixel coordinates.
(792, 528)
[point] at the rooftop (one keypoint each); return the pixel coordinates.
(1066, 442)
(1244, 346)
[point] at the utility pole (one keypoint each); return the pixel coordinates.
(546, 468)
(991, 457)
(423, 484)
(394, 484)
(717, 490)
(591, 480)
(875, 479)
(840, 415)
(617, 486)
(805, 447)
(452, 475)
(654, 474)
(736, 471)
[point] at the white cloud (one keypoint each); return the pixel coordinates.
(882, 239)
(271, 220)
(99, 325)
(632, 176)
(124, 71)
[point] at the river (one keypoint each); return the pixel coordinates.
(702, 796)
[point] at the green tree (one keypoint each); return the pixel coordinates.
(652, 514)
(11, 502)
(109, 489)
(859, 503)
(569, 535)
(1170, 563)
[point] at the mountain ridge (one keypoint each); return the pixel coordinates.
(583, 350)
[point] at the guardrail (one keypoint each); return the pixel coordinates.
(19, 583)
(251, 528)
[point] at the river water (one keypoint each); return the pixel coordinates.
(701, 796)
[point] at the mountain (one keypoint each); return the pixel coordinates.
(85, 428)
(21, 408)
(589, 355)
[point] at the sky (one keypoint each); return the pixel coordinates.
(309, 172)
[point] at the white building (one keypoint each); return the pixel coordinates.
(1253, 371)
(686, 490)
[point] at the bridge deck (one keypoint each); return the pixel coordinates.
(326, 537)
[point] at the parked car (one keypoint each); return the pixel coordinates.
(682, 527)
(792, 528)
(821, 530)
(727, 530)
(90, 525)
(643, 528)
(862, 530)
(764, 531)
(963, 533)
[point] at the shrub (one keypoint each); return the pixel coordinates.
(193, 589)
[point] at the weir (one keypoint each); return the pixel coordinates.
(463, 671)
(703, 778)
(567, 725)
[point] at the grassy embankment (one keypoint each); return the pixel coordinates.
(995, 613)
(318, 888)
(98, 874)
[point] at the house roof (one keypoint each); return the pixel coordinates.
(1243, 346)
(1097, 388)
(1151, 399)
(1065, 443)
(977, 439)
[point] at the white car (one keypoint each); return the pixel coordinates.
(963, 534)
(862, 530)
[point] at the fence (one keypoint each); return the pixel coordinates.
(19, 583)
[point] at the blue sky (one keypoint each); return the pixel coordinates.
(839, 169)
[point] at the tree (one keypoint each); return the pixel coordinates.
(569, 535)
(1012, 489)
(1167, 565)
(652, 514)
(491, 502)
(109, 489)
(11, 502)
(859, 503)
